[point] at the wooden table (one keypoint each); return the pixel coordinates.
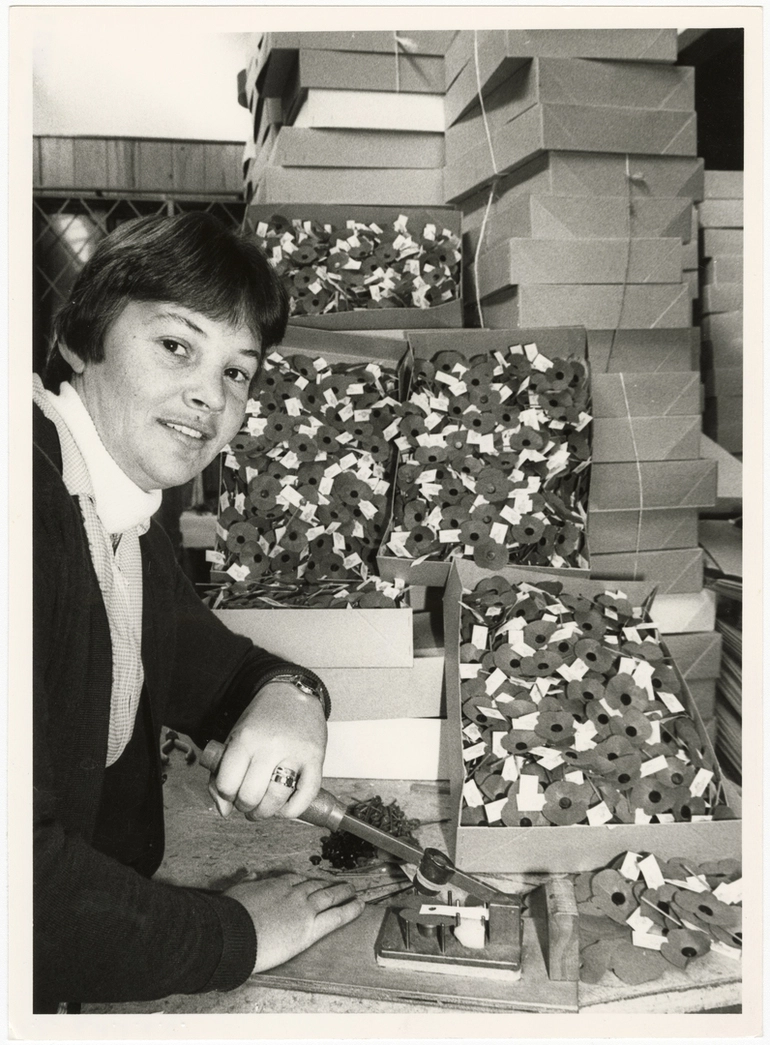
(204, 850)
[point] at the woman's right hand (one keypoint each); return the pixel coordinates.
(291, 912)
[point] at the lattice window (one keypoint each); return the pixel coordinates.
(66, 231)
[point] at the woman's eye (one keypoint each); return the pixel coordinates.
(174, 346)
(238, 375)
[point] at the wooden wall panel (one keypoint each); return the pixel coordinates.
(90, 163)
(121, 163)
(189, 166)
(169, 166)
(155, 166)
(57, 163)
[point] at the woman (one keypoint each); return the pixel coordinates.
(153, 358)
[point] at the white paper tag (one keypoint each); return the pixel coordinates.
(494, 809)
(528, 799)
(673, 704)
(700, 782)
(630, 866)
(575, 776)
(479, 635)
(648, 941)
(472, 795)
(652, 873)
(730, 892)
(653, 765)
(510, 770)
(475, 751)
(599, 814)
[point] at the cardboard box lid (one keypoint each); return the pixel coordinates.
(543, 261)
(672, 571)
(310, 147)
(657, 484)
(360, 186)
(370, 110)
(656, 529)
(320, 638)
(385, 693)
(572, 127)
(645, 395)
(697, 655)
(646, 438)
(642, 351)
(566, 81)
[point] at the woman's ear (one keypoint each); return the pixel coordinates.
(78, 365)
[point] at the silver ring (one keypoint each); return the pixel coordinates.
(287, 777)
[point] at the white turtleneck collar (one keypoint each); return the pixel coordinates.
(120, 503)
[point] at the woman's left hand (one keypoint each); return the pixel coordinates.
(281, 727)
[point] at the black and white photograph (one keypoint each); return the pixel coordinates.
(376, 586)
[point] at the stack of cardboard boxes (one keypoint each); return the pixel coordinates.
(720, 221)
(347, 117)
(573, 157)
(577, 182)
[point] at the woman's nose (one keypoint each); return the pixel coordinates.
(206, 391)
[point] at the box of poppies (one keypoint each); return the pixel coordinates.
(358, 267)
(573, 731)
(495, 449)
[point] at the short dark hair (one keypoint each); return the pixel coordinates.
(191, 259)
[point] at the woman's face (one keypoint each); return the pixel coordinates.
(170, 392)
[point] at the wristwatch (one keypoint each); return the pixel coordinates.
(311, 687)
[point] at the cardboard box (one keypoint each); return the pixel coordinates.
(565, 218)
(722, 355)
(720, 214)
(563, 81)
(588, 174)
(413, 41)
(358, 187)
(609, 307)
(562, 849)
(724, 409)
(729, 435)
(646, 438)
(371, 110)
(728, 268)
(722, 297)
(671, 570)
(445, 315)
(644, 395)
(308, 147)
(631, 351)
(563, 344)
(703, 693)
(653, 530)
(724, 327)
(693, 284)
(542, 261)
(385, 693)
(693, 611)
(502, 52)
(724, 381)
(552, 261)
(554, 342)
(388, 749)
(572, 128)
(653, 484)
(690, 255)
(724, 185)
(698, 656)
(351, 71)
(348, 638)
(716, 242)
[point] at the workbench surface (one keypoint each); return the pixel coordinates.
(204, 850)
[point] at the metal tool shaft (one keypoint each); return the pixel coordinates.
(327, 811)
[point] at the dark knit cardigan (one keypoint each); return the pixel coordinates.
(102, 931)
